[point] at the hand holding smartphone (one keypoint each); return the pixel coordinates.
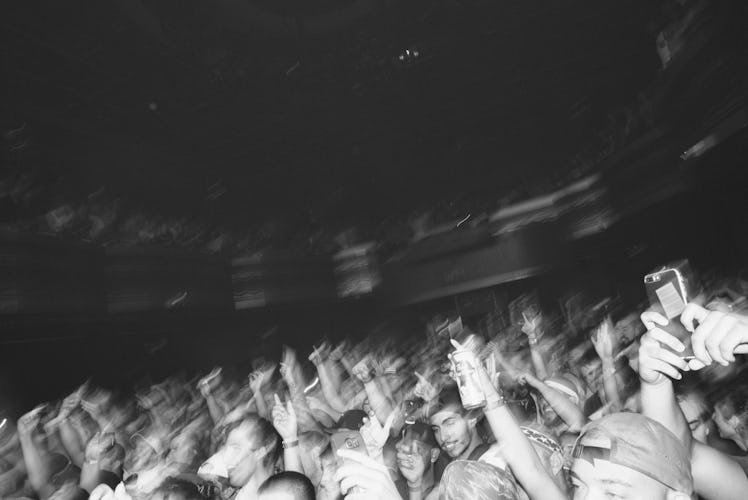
(669, 289)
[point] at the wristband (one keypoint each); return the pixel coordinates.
(532, 340)
(290, 444)
(492, 404)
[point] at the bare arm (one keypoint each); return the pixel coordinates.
(569, 412)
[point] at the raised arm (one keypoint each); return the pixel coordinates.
(522, 458)
(603, 342)
(569, 412)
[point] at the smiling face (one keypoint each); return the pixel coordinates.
(241, 455)
(453, 432)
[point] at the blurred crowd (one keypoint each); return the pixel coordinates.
(624, 409)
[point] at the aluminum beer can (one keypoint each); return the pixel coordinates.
(467, 380)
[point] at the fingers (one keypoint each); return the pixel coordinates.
(693, 312)
(714, 340)
(654, 351)
(665, 338)
(651, 318)
(699, 337)
(290, 408)
(457, 345)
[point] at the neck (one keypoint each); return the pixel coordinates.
(249, 490)
(427, 480)
(475, 441)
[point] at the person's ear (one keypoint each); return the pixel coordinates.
(677, 495)
(472, 422)
(435, 454)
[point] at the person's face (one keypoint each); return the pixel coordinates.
(592, 373)
(727, 425)
(241, 455)
(694, 413)
(549, 415)
(452, 431)
(329, 489)
(605, 481)
(422, 453)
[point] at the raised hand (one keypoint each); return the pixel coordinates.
(363, 478)
(374, 434)
(288, 362)
(424, 389)
(362, 370)
(284, 419)
(530, 324)
(655, 362)
(718, 336)
(28, 422)
(602, 339)
(205, 383)
(98, 445)
(318, 355)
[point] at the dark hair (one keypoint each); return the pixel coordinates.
(298, 485)
(186, 488)
(449, 398)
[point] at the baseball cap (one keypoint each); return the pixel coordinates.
(352, 420)
(638, 443)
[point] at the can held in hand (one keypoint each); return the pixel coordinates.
(467, 380)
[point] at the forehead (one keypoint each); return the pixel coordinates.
(602, 472)
(242, 433)
(439, 417)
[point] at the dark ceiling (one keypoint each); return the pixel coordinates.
(244, 109)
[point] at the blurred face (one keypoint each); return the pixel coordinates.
(592, 373)
(241, 455)
(727, 423)
(453, 432)
(549, 415)
(693, 410)
(605, 481)
(422, 452)
(329, 489)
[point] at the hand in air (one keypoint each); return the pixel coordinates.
(715, 335)
(374, 434)
(284, 419)
(363, 478)
(656, 362)
(602, 339)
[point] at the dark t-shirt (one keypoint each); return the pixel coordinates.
(444, 460)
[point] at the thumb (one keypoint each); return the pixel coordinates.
(456, 344)
(277, 399)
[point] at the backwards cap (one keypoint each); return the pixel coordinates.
(638, 443)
